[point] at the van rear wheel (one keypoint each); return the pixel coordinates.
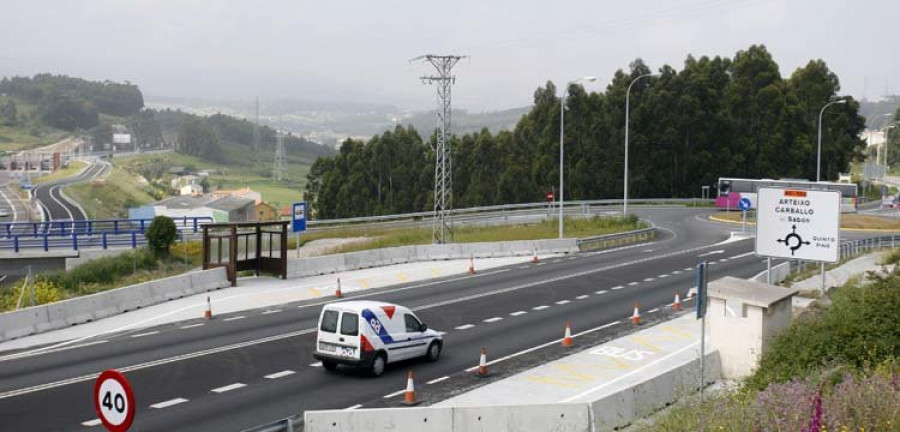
(329, 365)
(378, 365)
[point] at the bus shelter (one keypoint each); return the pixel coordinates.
(260, 247)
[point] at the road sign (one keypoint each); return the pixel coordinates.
(299, 217)
(798, 224)
(744, 204)
(700, 305)
(549, 196)
(114, 401)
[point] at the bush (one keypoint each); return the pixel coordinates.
(161, 234)
(45, 291)
(86, 278)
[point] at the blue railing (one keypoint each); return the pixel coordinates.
(76, 241)
(93, 227)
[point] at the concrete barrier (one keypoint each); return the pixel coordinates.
(84, 309)
(406, 254)
(780, 272)
(624, 407)
(556, 417)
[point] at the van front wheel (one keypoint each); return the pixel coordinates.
(434, 352)
(377, 365)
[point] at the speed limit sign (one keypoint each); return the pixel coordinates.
(114, 401)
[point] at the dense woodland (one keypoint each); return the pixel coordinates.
(715, 117)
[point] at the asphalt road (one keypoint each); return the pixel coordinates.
(185, 366)
(57, 207)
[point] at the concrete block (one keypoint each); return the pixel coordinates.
(208, 280)
(555, 417)
(22, 322)
(396, 419)
(170, 288)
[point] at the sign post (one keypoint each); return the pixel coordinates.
(299, 222)
(799, 224)
(114, 401)
(701, 315)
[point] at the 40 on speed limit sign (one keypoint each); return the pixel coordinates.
(114, 401)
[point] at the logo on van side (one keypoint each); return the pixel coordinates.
(377, 326)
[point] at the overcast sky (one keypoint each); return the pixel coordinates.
(359, 50)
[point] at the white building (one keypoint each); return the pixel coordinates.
(873, 137)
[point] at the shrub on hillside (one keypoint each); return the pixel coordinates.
(103, 271)
(161, 234)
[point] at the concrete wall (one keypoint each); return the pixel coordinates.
(623, 408)
(780, 272)
(15, 265)
(404, 254)
(556, 417)
(84, 309)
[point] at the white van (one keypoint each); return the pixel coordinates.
(370, 334)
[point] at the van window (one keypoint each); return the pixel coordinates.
(350, 324)
(329, 321)
(412, 324)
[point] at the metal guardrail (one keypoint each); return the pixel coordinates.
(618, 239)
(290, 424)
(853, 248)
(505, 207)
(94, 227)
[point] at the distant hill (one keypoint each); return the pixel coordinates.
(331, 122)
(878, 113)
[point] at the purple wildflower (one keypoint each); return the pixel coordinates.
(815, 423)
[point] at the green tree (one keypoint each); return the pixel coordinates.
(8, 113)
(197, 138)
(161, 234)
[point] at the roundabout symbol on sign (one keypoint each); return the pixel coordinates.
(793, 240)
(114, 401)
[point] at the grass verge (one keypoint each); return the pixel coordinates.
(111, 197)
(72, 169)
(848, 221)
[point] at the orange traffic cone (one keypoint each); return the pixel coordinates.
(534, 256)
(567, 339)
(208, 313)
(337, 291)
(410, 397)
(482, 364)
(636, 317)
(471, 265)
(677, 304)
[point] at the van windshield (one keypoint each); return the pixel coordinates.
(329, 321)
(350, 324)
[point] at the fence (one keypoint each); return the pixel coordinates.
(614, 240)
(67, 228)
(851, 249)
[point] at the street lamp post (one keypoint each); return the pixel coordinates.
(819, 157)
(627, 109)
(562, 134)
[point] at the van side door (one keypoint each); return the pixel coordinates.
(416, 341)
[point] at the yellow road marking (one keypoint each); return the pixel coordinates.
(402, 277)
(644, 343)
(364, 283)
(315, 292)
(681, 333)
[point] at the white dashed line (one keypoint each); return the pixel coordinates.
(316, 364)
(396, 393)
(353, 407)
(518, 313)
(582, 297)
(271, 311)
(676, 272)
(616, 288)
(169, 403)
(541, 263)
(437, 380)
(541, 307)
(653, 310)
(601, 292)
(688, 268)
(556, 261)
(192, 326)
(712, 263)
(229, 387)
(464, 327)
(571, 258)
(281, 374)
(494, 319)
(562, 302)
(234, 318)
(723, 260)
(741, 255)
(92, 423)
(632, 283)
(145, 334)
(649, 280)
(663, 276)
(523, 267)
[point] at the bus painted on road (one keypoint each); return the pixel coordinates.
(731, 190)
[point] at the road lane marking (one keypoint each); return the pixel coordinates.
(582, 297)
(662, 276)
(396, 393)
(523, 267)
(494, 319)
(229, 387)
(562, 302)
(723, 260)
(676, 272)
(574, 257)
(653, 310)
(316, 364)
(518, 313)
(742, 255)
(281, 374)
(711, 253)
(688, 268)
(92, 423)
(234, 318)
(437, 380)
(169, 403)
(633, 372)
(192, 326)
(353, 407)
(541, 307)
(271, 311)
(603, 291)
(535, 348)
(615, 288)
(464, 327)
(541, 263)
(632, 283)
(649, 279)
(712, 263)
(145, 334)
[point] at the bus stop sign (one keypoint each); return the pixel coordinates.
(299, 217)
